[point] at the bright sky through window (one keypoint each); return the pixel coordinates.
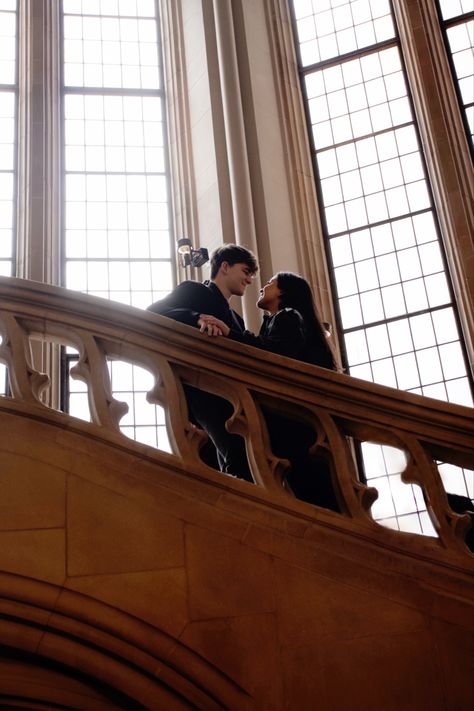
(8, 103)
(117, 231)
(117, 225)
(8, 112)
(395, 304)
(458, 23)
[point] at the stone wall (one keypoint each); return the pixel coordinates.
(183, 592)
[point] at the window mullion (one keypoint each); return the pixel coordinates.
(38, 179)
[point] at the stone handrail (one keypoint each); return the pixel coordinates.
(341, 408)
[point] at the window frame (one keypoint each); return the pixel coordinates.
(445, 25)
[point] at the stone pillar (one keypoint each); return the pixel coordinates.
(39, 175)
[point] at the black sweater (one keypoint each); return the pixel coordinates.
(282, 333)
(285, 333)
(190, 299)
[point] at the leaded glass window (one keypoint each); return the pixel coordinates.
(8, 141)
(397, 317)
(117, 231)
(458, 24)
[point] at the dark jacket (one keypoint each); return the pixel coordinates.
(185, 304)
(190, 299)
(285, 333)
(282, 333)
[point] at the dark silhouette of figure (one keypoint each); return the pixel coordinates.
(292, 327)
(232, 270)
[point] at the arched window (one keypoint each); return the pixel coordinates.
(397, 315)
(117, 237)
(81, 84)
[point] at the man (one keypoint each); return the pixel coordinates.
(232, 270)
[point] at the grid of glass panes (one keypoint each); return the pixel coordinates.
(397, 318)
(143, 422)
(399, 506)
(8, 104)
(117, 232)
(8, 100)
(458, 22)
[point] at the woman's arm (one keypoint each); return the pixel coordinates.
(282, 333)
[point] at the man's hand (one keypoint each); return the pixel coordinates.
(212, 326)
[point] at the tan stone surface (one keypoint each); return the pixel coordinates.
(32, 493)
(247, 650)
(453, 646)
(21, 435)
(286, 609)
(226, 579)
(51, 687)
(19, 636)
(109, 533)
(373, 672)
(327, 608)
(39, 554)
(110, 670)
(157, 597)
(351, 639)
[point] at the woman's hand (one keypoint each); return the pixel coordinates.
(212, 326)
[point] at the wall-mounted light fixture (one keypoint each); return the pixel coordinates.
(191, 257)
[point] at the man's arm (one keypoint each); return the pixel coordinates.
(285, 335)
(185, 303)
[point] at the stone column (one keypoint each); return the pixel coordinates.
(39, 175)
(241, 189)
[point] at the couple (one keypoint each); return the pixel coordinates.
(291, 328)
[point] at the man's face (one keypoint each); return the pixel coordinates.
(236, 277)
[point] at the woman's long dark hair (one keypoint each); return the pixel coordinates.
(296, 294)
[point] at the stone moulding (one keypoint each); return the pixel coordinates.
(339, 407)
(156, 670)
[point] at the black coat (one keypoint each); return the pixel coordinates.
(285, 333)
(186, 303)
(190, 299)
(309, 476)
(282, 333)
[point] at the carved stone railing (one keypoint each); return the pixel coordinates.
(340, 408)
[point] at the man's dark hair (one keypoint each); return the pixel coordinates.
(232, 254)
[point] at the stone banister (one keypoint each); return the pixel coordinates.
(341, 409)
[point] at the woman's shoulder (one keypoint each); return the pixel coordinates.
(288, 317)
(288, 314)
(286, 320)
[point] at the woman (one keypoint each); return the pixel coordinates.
(292, 328)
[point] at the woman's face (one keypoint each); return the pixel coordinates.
(270, 295)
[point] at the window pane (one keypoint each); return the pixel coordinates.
(325, 32)
(117, 241)
(393, 294)
(459, 36)
(8, 110)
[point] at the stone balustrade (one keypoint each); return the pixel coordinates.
(342, 409)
